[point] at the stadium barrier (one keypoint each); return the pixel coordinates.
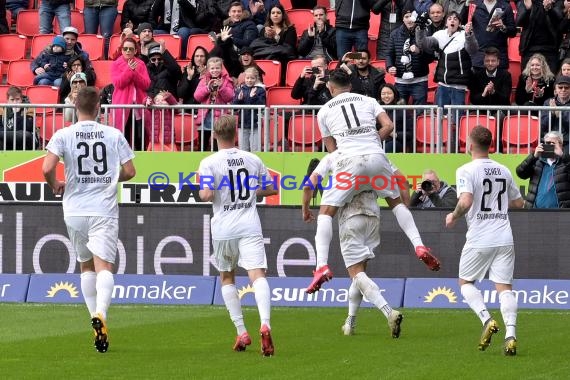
(424, 129)
(288, 291)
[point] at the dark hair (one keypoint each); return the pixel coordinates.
(365, 51)
(285, 22)
(481, 137)
(493, 51)
(14, 91)
(339, 78)
(77, 57)
(206, 54)
(235, 4)
(88, 101)
(321, 7)
(394, 90)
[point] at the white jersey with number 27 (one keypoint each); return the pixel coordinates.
(92, 154)
(492, 187)
(351, 120)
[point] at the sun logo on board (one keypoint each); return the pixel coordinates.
(244, 290)
(441, 291)
(59, 286)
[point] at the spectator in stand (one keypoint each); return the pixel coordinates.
(456, 6)
(406, 61)
(493, 33)
(251, 92)
(76, 64)
(100, 15)
(549, 185)
(319, 38)
(259, 10)
(556, 120)
(78, 81)
(4, 29)
(365, 78)
(146, 39)
(540, 21)
(50, 65)
(565, 68)
(352, 24)
(492, 85)
(246, 60)
(163, 71)
(278, 39)
(311, 86)
(49, 9)
(432, 192)
(564, 51)
(72, 47)
(191, 76)
(130, 78)
(391, 19)
(455, 48)
(215, 87)
(14, 6)
(17, 130)
(536, 83)
(437, 18)
(158, 123)
(136, 12)
(243, 30)
(403, 134)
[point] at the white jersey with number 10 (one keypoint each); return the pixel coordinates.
(492, 187)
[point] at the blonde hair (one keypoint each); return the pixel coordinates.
(546, 72)
(253, 71)
(214, 60)
(225, 128)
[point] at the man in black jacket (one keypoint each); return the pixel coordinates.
(364, 78)
(549, 185)
(311, 87)
(163, 70)
(319, 38)
(17, 130)
(432, 192)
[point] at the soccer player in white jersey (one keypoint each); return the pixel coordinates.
(486, 191)
(96, 157)
(348, 123)
(359, 234)
(237, 179)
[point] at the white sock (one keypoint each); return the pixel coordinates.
(475, 301)
(407, 224)
(231, 299)
(509, 309)
(88, 281)
(354, 299)
(372, 292)
(105, 285)
(323, 239)
(263, 300)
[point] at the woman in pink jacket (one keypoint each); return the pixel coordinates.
(130, 78)
(216, 87)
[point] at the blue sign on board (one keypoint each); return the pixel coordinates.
(13, 287)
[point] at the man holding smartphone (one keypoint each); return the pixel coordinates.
(311, 87)
(549, 171)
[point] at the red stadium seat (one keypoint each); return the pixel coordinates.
(92, 44)
(20, 73)
(331, 16)
(304, 134)
(301, 19)
(426, 131)
(39, 43)
(28, 23)
(281, 96)
(103, 71)
(294, 69)
(272, 70)
(521, 133)
(42, 94)
(50, 124)
(276, 132)
(467, 123)
(196, 40)
(172, 43)
(513, 49)
(13, 47)
(186, 132)
(286, 4)
(3, 92)
(374, 28)
(79, 5)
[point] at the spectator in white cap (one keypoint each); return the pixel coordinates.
(78, 81)
(49, 9)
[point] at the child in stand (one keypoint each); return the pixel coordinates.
(251, 92)
(158, 122)
(50, 65)
(216, 87)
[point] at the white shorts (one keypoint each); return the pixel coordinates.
(499, 261)
(246, 252)
(359, 235)
(375, 167)
(93, 235)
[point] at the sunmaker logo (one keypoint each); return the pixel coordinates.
(66, 286)
(441, 291)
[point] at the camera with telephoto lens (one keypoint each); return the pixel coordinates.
(427, 186)
(423, 20)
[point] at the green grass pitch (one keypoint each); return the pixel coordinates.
(40, 341)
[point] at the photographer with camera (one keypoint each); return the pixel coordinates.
(549, 171)
(311, 87)
(432, 192)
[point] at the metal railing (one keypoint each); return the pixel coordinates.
(418, 129)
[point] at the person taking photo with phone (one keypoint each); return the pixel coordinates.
(548, 169)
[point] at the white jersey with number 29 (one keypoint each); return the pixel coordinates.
(492, 187)
(351, 120)
(235, 175)
(92, 154)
